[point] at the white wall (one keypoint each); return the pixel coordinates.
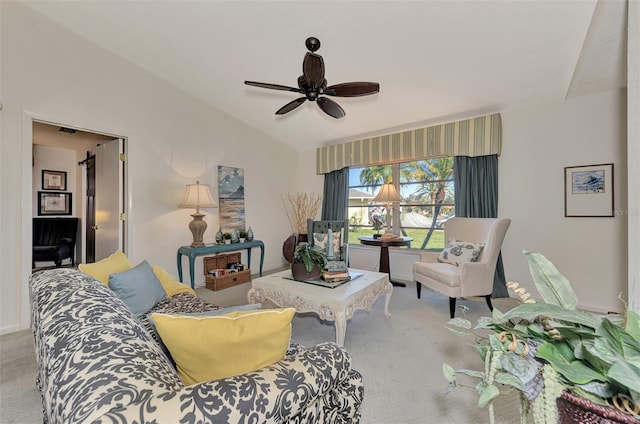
(538, 142)
(52, 74)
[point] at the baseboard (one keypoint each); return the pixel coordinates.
(9, 329)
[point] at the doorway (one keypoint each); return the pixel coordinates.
(52, 145)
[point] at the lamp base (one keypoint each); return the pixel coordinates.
(388, 231)
(198, 226)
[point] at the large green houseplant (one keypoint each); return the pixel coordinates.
(545, 349)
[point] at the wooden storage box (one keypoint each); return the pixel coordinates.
(222, 261)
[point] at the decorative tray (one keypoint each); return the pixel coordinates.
(322, 283)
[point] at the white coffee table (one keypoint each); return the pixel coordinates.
(330, 304)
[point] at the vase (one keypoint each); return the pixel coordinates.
(219, 236)
(242, 239)
(249, 234)
(227, 241)
(299, 272)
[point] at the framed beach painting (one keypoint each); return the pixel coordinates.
(231, 198)
(588, 191)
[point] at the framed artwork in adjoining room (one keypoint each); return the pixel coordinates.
(54, 203)
(54, 180)
(588, 191)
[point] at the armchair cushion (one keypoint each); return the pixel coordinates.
(458, 252)
(446, 274)
(213, 347)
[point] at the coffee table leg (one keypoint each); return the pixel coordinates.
(341, 327)
(388, 289)
(255, 295)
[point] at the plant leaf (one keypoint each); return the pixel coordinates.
(460, 323)
(472, 373)
(489, 393)
(554, 288)
(626, 375)
(456, 332)
(449, 372)
(531, 311)
(576, 372)
(633, 324)
(509, 379)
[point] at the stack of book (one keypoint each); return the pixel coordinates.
(335, 271)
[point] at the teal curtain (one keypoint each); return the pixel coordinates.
(476, 196)
(335, 196)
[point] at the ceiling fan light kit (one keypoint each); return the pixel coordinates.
(313, 85)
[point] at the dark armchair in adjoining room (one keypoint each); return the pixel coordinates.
(54, 240)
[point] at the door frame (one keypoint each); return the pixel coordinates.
(26, 206)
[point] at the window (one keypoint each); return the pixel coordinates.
(426, 190)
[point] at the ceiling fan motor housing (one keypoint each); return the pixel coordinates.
(312, 84)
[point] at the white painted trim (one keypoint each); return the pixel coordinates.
(26, 201)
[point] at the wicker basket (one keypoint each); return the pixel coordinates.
(575, 409)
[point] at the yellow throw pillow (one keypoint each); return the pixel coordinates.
(170, 286)
(101, 270)
(213, 347)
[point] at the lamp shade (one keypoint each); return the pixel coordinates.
(198, 196)
(387, 194)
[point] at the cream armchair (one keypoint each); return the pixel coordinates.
(467, 279)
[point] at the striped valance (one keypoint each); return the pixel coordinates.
(472, 137)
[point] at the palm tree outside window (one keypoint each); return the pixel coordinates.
(426, 190)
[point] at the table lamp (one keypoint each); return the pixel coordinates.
(387, 195)
(197, 196)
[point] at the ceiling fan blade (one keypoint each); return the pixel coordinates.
(291, 105)
(273, 86)
(330, 107)
(313, 69)
(352, 89)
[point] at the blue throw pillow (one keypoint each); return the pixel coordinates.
(138, 288)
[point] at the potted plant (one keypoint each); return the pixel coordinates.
(227, 238)
(562, 361)
(243, 235)
(308, 262)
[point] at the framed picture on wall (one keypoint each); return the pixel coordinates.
(54, 203)
(54, 180)
(588, 191)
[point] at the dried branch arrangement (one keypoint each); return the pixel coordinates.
(299, 207)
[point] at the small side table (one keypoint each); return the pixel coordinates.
(208, 249)
(384, 252)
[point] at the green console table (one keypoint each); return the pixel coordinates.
(208, 249)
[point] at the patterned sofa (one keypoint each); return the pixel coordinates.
(98, 364)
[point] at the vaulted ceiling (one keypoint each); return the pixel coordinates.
(435, 61)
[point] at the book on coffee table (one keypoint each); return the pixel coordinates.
(334, 276)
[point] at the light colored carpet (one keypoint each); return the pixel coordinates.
(400, 359)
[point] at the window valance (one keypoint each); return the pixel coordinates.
(479, 136)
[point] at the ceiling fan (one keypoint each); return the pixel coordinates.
(313, 85)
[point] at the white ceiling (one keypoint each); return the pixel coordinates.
(435, 61)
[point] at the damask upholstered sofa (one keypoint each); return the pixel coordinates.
(98, 363)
